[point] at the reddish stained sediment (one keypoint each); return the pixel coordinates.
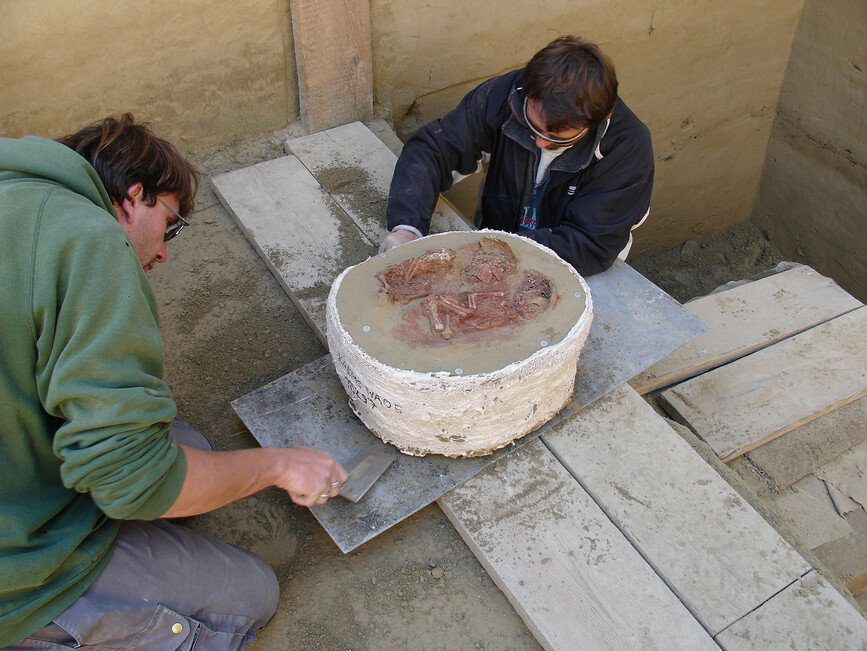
(466, 292)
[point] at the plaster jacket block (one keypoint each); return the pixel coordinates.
(462, 399)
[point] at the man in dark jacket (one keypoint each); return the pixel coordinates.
(571, 167)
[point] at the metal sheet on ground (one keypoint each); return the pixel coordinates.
(635, 325)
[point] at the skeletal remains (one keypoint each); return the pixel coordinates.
(474, 288)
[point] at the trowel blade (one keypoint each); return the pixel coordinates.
(363, 470)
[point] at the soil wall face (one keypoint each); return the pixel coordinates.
(703, 75)
(813, 194)
(201, 72)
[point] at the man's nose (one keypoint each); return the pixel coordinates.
(541, 143)
(163, 253)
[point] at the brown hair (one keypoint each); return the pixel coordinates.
(124, 153)
(574, 82)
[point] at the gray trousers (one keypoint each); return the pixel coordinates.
(169, 588)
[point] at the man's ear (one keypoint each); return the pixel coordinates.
(126, 208)
(135, 192)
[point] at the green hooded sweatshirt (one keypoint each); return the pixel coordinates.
(84, 410)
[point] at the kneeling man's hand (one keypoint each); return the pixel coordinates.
(396, 238)
(310, 476)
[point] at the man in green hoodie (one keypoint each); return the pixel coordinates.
(91, 456)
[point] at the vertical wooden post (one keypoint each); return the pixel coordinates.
(332, 54)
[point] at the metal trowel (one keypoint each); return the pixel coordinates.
(363, 470)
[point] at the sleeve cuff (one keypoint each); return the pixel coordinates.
(407, 227)
(166, 493)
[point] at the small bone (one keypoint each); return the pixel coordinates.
(433, 315)
(471, 298)
(454, 307)
(413, 267)
(447, 332)
(488, 324)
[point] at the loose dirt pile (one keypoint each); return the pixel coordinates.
(697, 268)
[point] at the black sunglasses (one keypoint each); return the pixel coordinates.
(523, 117)
(173, 229)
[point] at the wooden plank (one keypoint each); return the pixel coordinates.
(570, 574)
(796, 454)
(846, 558)
(714, 550)
(857, 584)
(304, 237)
(333, 58)
(356, 167)
(848, 473)
(809, 614)
(747, 318)
(308, 407)
(740, 406)
(808, 513)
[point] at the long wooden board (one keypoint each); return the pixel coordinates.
(848, 473)
(333, 58)
(714, 550)
(570, 574)
(305, 238)
(740, 406)
(747, 318)
(809, 614)
(796, 454)
(807, 512)
(356, 167)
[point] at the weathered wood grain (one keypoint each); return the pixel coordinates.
(747, 318)
(796, 454)
(356, 167)
(333, 58)
(809, 614)
(305, 238)
(808, 513)
(570, 574)
(848, 473)
(608, 594)
(740, 406)
(714, 550)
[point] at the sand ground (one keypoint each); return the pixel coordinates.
(229, 328)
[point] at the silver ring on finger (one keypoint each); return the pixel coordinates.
(335, 484)
(325, 496)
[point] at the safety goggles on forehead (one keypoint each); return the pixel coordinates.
(173, 229)
(536, 132)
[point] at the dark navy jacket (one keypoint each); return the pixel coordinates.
(593, 194)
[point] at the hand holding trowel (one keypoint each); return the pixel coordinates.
(363, 470)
